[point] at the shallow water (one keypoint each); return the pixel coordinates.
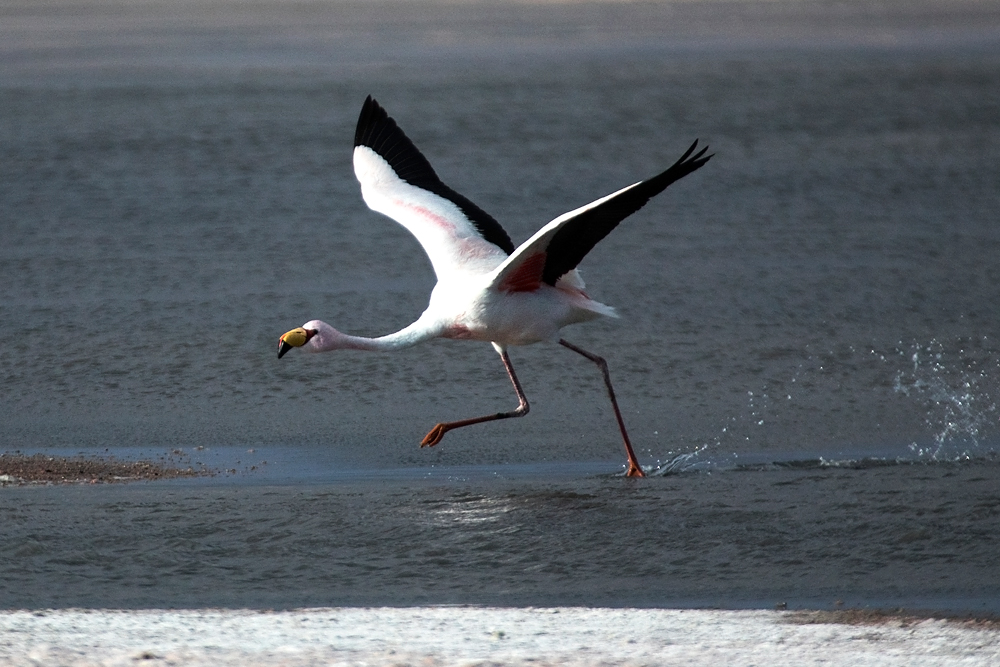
(917, 536)
(826, 288)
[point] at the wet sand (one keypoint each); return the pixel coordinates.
(16, 468)
(489, 636)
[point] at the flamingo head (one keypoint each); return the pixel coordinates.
(295, 338)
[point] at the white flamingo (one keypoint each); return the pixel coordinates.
(487, 290)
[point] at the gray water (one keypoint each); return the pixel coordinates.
(807, 351)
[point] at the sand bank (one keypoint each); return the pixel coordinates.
(489, 636)
(17, 468)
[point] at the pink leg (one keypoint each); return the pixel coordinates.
(436, 433)
(634, 470)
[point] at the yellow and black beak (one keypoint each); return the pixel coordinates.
(294, 338)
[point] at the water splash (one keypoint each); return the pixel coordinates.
(922, 402)
(685, 462)
(956, 388)
(741, 430)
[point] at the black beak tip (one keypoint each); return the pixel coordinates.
(282, 348)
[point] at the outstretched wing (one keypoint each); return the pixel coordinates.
(398, 181)
(559, 246)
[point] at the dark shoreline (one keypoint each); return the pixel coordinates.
(21, 469)
(895, 617)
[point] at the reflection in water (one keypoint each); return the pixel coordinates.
(470, 512)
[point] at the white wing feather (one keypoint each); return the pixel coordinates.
(449, 238)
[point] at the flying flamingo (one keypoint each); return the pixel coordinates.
(487, 290)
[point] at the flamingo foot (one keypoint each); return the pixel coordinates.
(434, 436)
(634, 470)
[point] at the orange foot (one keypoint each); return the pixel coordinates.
(634, 471)
(434, 437)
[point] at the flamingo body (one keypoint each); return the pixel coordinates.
(487, 289)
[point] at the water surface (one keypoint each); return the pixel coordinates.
(825, 290)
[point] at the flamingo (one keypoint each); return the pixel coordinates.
(487, 289)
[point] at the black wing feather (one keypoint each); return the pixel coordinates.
(378, 131)
(577, 237)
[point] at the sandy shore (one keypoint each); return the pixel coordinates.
(489, 636)
(17, 468)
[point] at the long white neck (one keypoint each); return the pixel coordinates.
(327, 338)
